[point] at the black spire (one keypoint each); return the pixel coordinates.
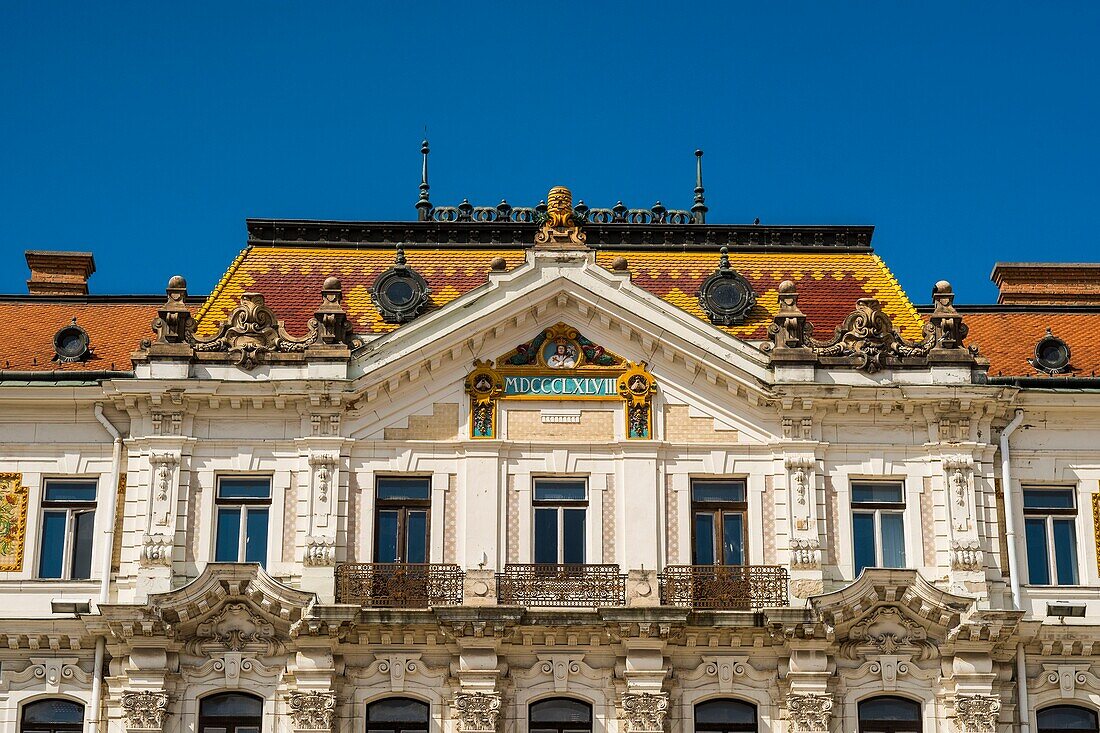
(699, 208)
(424, 205)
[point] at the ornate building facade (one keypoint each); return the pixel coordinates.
(549, 470)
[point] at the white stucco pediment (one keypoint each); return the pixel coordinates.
(425, 363)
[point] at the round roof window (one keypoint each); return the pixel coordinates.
(1052, 354)
(71, 343)
(400, 293)
(726, 297)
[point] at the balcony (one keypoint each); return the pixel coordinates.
(725, 587)
(399, 585)
(561, 586)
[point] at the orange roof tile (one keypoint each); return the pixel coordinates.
(1008, 340)
(114, 329)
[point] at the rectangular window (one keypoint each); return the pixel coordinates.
(1050, 519)
(720, 531)
(402, 510)
(878, 524)
(68, 524)
(241, 524)
(561, 506)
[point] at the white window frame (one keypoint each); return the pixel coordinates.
(1048, 516)
(876, 513)
(70, 518)
(244, 506)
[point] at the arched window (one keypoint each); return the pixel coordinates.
(889, 715)
(560, 715)
(52, 716)
(725, 716)
(1067, 719)
(397, 715)
(231, 712)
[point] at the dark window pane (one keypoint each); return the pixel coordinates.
(1065, 551)
(573, 535)
(1038, 563)
(398, 710)
(718, 490)
(416, 537)
(559, 490)
(416, 488)
(53, 711)
(704, 538)
(877, 493)
(863, 539)
(70, 490)
(546, 535)
(561, 710)
(889, 708)
(893, 540)
(83, 530)
(1066, 717)
(733, 552)
(52, 560)
(725, 712)
(238, 487)
(232, 704)
(255, 537)
(386, 532)
(228, 542)
(1048, 498)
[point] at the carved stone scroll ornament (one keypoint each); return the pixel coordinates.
(320, 551)
(809, 713)
(312, 710)
(325, 466)
(645, 712)
(145, 710)
(252, 330)
(156, 549)
(977, 713)
(164, 466)
(560, 229)
(868, 332)
(802, 493)
(477, 712)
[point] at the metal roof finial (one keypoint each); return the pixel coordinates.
(399, 259)
(724, 259)
(699, 208)
(424, 205)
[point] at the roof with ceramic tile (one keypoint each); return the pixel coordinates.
(115, 328)
(290, 277)
(1008, 338)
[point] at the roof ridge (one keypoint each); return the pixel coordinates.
(222, 283)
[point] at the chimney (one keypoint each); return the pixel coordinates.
(1047, 283)
(59, 273)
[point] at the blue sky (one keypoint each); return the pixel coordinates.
(147, 132)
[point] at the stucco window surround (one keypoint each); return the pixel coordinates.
(70, 514)
(680, 482)
(594, 518)
(912, 485)
(1086, 700)
(366, 479)
(930, 710)
(208, 478)
(21, 706)
(682, 711)
(603, 710)
(1082, 527)
(370, 685)
(195, 692)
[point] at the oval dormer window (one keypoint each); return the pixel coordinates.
(400, 293)
(1052, 354)
(71, 343)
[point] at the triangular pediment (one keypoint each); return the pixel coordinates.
(412, 370)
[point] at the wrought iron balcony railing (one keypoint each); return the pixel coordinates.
(561, 586)
(399, 585)
(725, 587)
